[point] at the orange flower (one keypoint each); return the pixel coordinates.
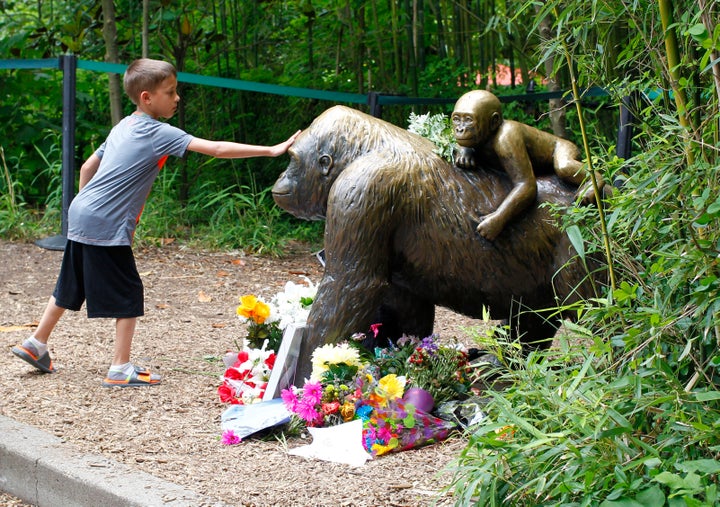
(252, 308)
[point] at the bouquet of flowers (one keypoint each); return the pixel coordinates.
(343, 388)
(246, 378)
(267, 321)
(248, 372)
(441, 369)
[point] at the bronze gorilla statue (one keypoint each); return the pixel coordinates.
(400, 235)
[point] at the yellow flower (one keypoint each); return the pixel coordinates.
(252, 308)
(391, 387)
(380, 449)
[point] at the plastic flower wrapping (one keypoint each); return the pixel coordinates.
(342, 389)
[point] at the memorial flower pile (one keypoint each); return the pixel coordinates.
(441, 369)
(343, 388)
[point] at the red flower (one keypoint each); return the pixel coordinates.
(270, 361)
(227, 395)
(330, 408)
(242, 357)
(234, 374)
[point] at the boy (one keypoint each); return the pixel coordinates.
(98, 265)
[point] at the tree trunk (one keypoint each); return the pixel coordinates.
(397, 47)
(145, 28)
(412, 63)
(708, 19)
(557, 111)
(111, 55)
(440, 22)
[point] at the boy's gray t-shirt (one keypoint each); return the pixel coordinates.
(105, 212)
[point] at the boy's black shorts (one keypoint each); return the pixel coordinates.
(104, 276)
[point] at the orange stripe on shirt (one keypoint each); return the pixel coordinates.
(160, 163)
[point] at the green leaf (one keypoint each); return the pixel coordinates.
(708, 396)
(576, 239)
(707, 466)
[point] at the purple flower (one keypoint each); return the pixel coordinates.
(230, 438)
(429, 344)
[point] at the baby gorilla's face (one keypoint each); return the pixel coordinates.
(476, 117)
(466, 128)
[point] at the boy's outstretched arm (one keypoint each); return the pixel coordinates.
(227, 149)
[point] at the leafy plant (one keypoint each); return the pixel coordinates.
(437, 129)
(569, 430)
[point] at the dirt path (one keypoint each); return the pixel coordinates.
(172, 430)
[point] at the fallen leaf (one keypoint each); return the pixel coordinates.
(218, 325)
(238, 262)
(203, 297)
(10, 329)
(162, 306)
(223, 273)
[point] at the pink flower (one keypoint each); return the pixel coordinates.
(312, 392)
(306, 410)
(384, 434)
(230, 438)
(290, 399)
(375, 329)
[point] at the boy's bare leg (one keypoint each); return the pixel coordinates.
(124, 332)
(48, 321)
(122, 372)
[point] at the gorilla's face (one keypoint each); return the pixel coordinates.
(476, 117)
(303, 188)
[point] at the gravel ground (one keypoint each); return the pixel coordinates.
(173, 430)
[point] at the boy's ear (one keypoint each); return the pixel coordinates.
(144, 96)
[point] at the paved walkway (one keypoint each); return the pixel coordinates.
(44, 471)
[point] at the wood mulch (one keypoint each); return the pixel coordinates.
(173, 430)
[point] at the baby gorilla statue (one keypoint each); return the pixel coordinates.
(522, 151)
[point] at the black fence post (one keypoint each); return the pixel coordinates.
(68, 65)
(626, 130)
(374, 104)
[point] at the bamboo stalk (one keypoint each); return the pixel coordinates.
(673, 62)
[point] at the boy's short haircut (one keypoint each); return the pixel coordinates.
(146, 74)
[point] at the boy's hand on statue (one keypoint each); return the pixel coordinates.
(281, 148)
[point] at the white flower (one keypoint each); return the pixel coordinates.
(330, 354)
(287, 307)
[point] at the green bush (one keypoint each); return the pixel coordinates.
(571, 429)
